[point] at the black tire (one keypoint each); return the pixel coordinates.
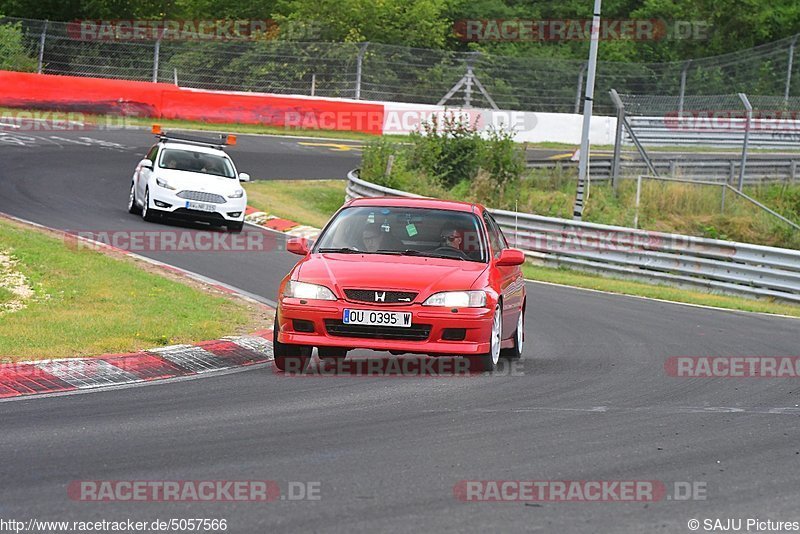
(331, 353)
(235, 227)
(291, 359)
(483, 363)
(132, 207)
(148, 214)
(515, 352)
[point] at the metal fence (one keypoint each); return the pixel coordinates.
(671, 259)
(376, 71)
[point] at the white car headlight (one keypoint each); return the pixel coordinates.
(457, 299)
(237, 194)
(163, 183)
(303, 290)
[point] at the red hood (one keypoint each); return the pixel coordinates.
(366, 271)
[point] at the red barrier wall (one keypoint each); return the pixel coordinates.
(159, 100)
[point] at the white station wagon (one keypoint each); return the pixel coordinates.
(189, 178)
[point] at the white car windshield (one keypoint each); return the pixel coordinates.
(405, 231)
(186, 160)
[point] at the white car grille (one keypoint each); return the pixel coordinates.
(202, 197)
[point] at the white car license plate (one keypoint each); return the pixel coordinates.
(377, 318)
(200, 206)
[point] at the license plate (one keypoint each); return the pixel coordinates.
(200, 206)
(377, 318)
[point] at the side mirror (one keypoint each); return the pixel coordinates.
(146, 164)
(510, 257)
(298, 245)
(244, 177)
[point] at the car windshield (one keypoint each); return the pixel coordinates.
(186, 160)
(405, 231)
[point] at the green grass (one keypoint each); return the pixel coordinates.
(664, 207)
(5, 295)
(310, 202)
(573, 278)
(87, 303)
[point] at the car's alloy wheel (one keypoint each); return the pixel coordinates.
(488, 361)
(147, 213)
(289, 358)
(515, 352)
(132, 207)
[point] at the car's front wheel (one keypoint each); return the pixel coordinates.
(132, 207)
(289, 358)
(515, 352)
(488, 362)
(147, 213)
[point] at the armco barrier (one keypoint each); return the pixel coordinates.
(160, 100)
(673, 259)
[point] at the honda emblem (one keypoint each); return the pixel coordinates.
(380, 297)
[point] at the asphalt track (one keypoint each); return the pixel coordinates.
(592, 402)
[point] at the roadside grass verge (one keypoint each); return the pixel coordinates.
(292, 198)
(5, 295)
(569, 277)
(310, 202)
(88, 303)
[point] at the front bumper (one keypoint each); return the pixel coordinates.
(167, 202)
(476, 323)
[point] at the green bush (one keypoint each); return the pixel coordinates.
(446, 154)
(13, 55)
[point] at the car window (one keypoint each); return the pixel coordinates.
(186, 160)
(152, 154)
(413, 231)
(495, 235)
(503, 240)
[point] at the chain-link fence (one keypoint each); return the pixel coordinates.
(392, 73)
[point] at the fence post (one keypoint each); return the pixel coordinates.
(156, 54)
(362, 49)
(638, 198)
(41, 47)
(789, 71)
(722, 206)
(683, 88)
(617, 139)
(749, 109)
(313, 83)
(175, 75)
(580, 88)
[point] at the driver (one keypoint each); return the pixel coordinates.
(451, 238)
(372, 238)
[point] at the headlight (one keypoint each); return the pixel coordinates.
(457, 299)
(302, 290)
(237, 194)
(163, 183)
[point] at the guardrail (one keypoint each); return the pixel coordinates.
(719, 170)
(676, 131)
(673, 259)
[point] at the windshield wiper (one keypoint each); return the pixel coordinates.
(340, 250)
(410, 252)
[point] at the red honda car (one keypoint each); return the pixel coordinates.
(403, 275)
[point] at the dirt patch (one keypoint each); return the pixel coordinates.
(14, 282)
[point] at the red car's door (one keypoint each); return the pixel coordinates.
(511, 281)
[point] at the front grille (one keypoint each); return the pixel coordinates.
(390, 297)
(202, 197)
(416, 332)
